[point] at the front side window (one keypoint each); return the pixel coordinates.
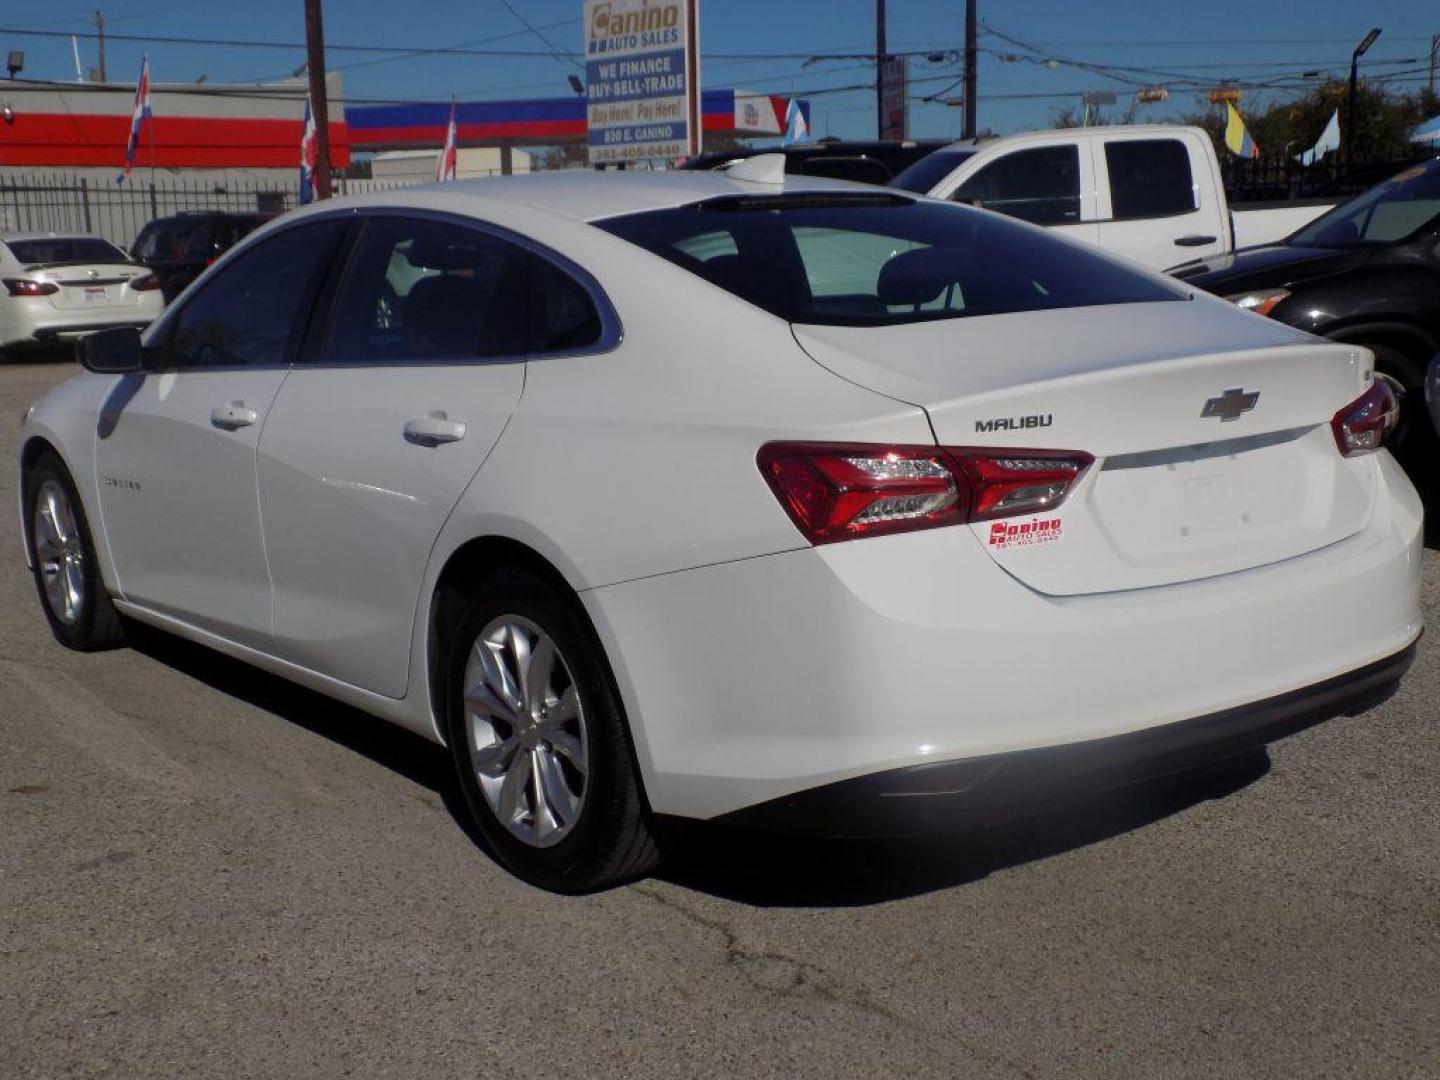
(1149, 178)
(922, 176)
(1041, 186)
(419, 290)
(1385, 214)
(879, 260)
(253, 312)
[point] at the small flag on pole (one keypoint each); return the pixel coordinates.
(138, 115)
(1329, 140)
(1237, 139)
(445, 170)
(796, 129)
(309, 153)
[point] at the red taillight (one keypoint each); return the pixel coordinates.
(1361, 426)
(145, 283)
(842, 491)
(26, 287)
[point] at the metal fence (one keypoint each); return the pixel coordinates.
(64, 202)
(1271, 180)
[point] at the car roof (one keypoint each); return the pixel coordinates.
(1099, 131)
(18, 236)
(585, 195)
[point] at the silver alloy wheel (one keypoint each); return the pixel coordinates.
(59, 552)
(526, 731)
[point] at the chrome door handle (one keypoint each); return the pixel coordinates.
(434, 429)
(234, 416)
(1194, 241)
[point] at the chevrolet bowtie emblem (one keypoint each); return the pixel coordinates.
(1230, 404)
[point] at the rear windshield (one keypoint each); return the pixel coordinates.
(922, 177)
(881, 260)
(65, 249)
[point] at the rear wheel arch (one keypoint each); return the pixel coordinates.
(1409, 347)
(464, 570)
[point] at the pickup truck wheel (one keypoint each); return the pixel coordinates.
(539, 742)
(67, 574)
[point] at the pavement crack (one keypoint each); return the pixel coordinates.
(790, 977)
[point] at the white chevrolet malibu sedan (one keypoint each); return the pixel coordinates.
(795, 505)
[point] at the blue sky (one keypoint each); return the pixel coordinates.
(1249, 40)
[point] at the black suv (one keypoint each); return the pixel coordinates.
(873, 162)
(178, 248)
(1368, 272)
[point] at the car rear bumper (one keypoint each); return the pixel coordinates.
(954, 795)
(37, 321)
(751, 681)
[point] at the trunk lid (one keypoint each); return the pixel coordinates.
(1193, 476)
(95, 286)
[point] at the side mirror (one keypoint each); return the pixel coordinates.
(111, 352)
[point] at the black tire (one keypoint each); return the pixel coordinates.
(1414, 442)
(91, 624)
(611, 838)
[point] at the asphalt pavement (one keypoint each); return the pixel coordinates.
(207, 872)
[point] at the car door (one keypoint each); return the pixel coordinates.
(1152, 208)
(1051, 184)
(175, 449)
(375, 436)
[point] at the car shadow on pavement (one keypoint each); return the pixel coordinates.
(417, 759)
(753, 868)
(767, 870)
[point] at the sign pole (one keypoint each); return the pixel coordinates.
(880, 103)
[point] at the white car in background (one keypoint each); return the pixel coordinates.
(55, 286)
(797, 505)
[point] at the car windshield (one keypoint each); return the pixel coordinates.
(1383, 215)
(880, 260)
(52, 250)
(922, 177)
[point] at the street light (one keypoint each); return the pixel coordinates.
(1360, 51)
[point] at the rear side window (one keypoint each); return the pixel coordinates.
(419, 290)
(880, 260)
(1041, 186)
(254, 310)
(1149, 178)
(53, 250)
(564, 317)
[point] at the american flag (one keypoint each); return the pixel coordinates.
(138, 116)
(309, 152)
(446, 168)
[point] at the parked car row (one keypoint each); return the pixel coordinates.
(60, 286)
(739, 496)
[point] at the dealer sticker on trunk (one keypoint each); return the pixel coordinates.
(1012, 534)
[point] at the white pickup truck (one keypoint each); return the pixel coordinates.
(1150, 192)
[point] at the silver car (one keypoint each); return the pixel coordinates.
(59, 285)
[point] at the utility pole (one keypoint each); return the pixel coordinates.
(1434, 49)
(319, 107)
(968, 132)
(880, 69)
(100, 27)
(1350, 94)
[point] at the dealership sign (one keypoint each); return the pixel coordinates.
(642, 79)
(895, 105)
